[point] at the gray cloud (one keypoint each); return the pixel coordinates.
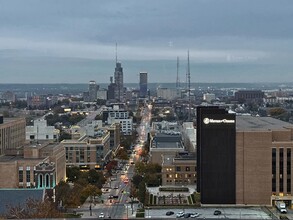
(215, 31)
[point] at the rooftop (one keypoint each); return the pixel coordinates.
(16, 197)
(13, 158)
(167, 141)
(246, 122)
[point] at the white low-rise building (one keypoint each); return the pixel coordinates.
(41, 131)
(120, 116)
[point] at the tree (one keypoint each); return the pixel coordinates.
(90, 191)
(73, 173)
(140, 168)
(141, 192)
(276, 111)
(136, 179)
(74, 198)
(122, 154)
(62, 191)
(96, 178)
(34, 209)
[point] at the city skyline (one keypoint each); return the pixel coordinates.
(73, 42)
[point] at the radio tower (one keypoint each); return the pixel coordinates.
(188, 77)
(177, 79)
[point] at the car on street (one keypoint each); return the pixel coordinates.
(217, 212)
(194, 215)
(170, 213)
(101, 215)
(180, 215)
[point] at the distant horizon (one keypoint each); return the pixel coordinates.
(107, 83)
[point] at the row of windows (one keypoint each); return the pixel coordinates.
(99, 147)
(187, 168)
(179, 175)
(21, 176)
(180, 181)
(281, 170)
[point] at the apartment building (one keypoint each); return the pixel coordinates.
(88, 152)
(116, 115)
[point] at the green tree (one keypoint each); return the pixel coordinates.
(96, 177)
(73, 173)
(62, 191)
(140, 168)
(141, 192)
(136, 179)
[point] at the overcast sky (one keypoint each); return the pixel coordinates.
(73, 41)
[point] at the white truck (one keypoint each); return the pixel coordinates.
(281, 206)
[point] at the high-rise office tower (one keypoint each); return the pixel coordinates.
(93, 89)
(143, 84)
(118, 80)
(216, 172)
(111, 89)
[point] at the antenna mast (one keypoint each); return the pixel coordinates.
(177, 79)
(116, 52)
(188, 76)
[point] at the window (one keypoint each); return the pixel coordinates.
(20, 175)
(47, 180)
(288, 170)
(187, 168)
(28, 175)
(274, 170)
(178, 168)
(281, 166)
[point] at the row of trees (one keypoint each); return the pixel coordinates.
(66, 119)
(145, 175)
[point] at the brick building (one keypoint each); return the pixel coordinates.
(12, 133)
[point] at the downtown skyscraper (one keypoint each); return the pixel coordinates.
(118, 80)
(143, 84)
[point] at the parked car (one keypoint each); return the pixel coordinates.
(194, 215)
(180, 215)
(217, 212)
(187, 215)
(169, 213)
(101, 215)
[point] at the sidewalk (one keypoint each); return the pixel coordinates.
(85, 210)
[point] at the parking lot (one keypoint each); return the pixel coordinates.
(208, 213)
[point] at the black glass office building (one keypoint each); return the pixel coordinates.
(216, 168)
